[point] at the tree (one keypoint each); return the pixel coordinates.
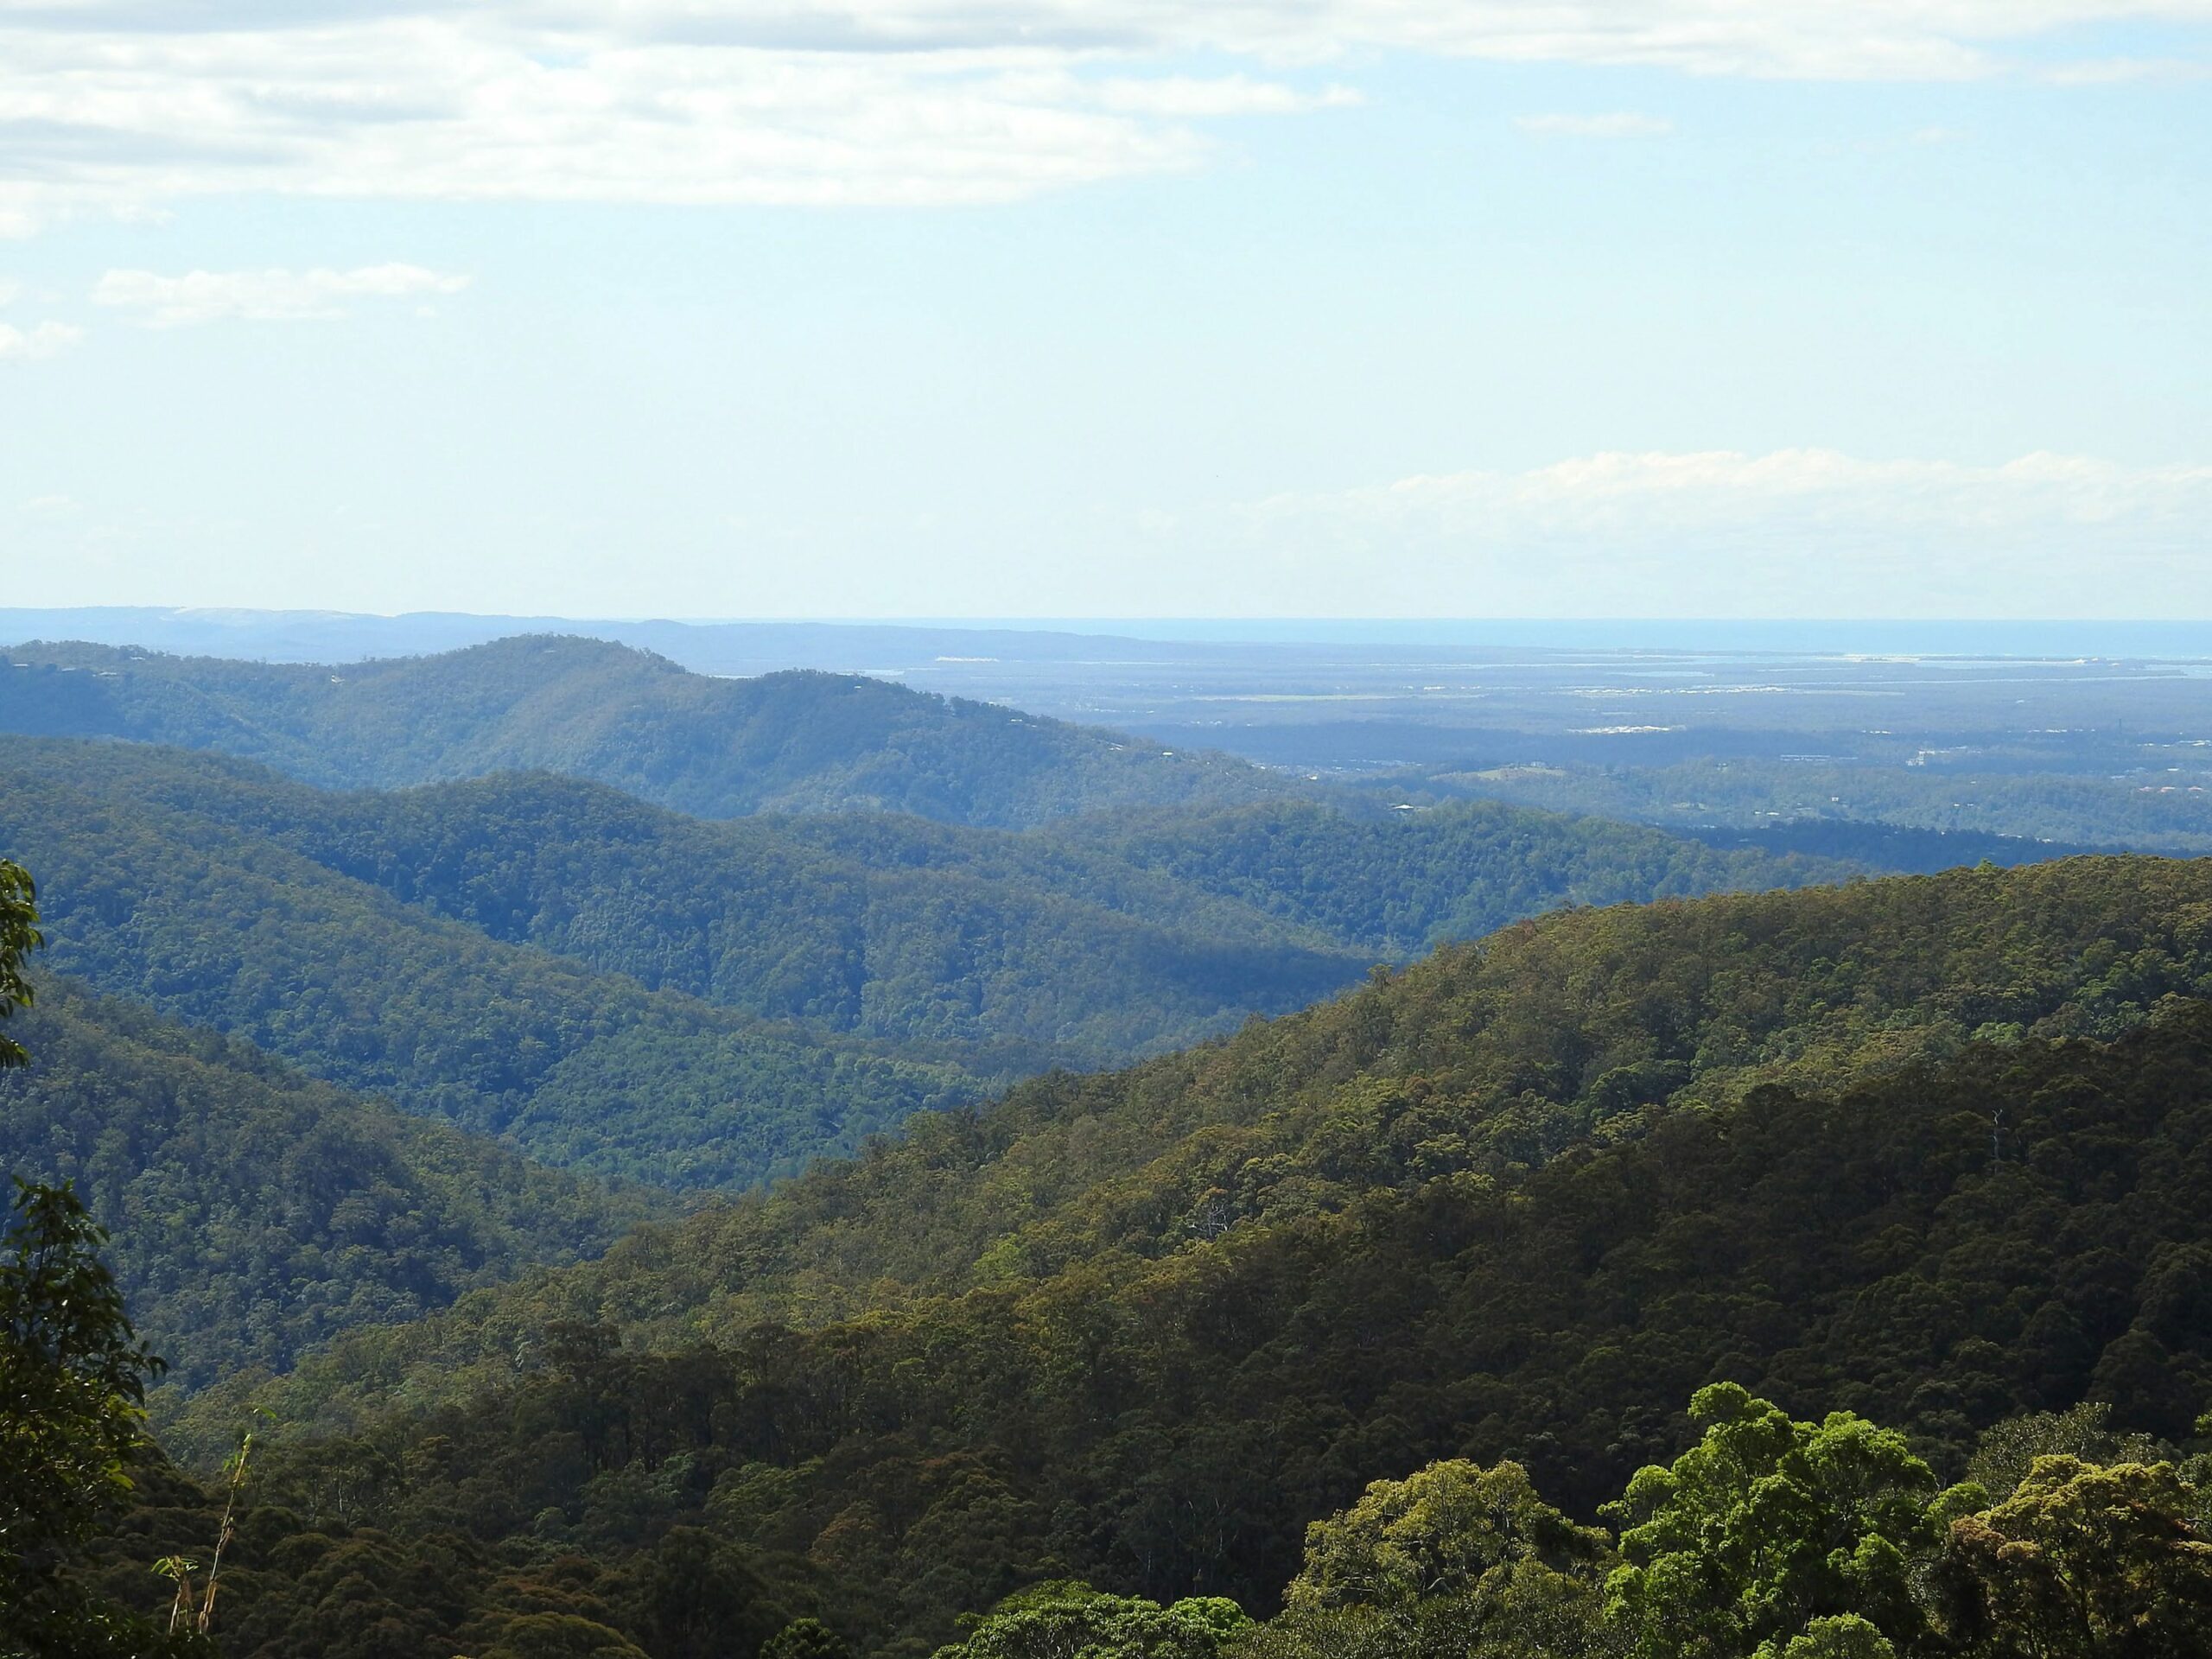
(1456, 1559)
(2087, 1562)
(2007, 1451)
(1444, 1531)
(19, 937)
(72, 1383)
(805, 1638)
(693, 1598)
(1764, 1526)
(558, 1636)
(1846, 1637)
(72, 1391)
(1068, 1620)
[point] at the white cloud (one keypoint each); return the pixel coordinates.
(1621, 124)
(1721, 532)
(1619, 493)
(30, 345)
(124, 104)
(10, 292)
(268, 296)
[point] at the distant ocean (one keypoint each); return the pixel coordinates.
(738, 645)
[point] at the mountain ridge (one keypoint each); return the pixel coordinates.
(800, 740)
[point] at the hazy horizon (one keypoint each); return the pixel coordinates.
(2185, 637)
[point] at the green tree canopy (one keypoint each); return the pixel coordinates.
(1456, 1561)
(2007, 1451)
(1845, 1637)
(1763, 1526)
(19, 937)
(805, 1638)
(73, 1382)
(2087, 1562)
(73, 1379)
(72, 1375)
(1069, 1620)
(1448, 1531)
(558, 1636)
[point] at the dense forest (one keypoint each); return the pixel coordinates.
(656, 997)
(256, 1211)
(1547, 1222)
(1481, 1061)
(211, 926)
(1398, 880)
(1016, 955)
(1891, 847)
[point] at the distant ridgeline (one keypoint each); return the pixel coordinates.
(1930, 1149)
(797, 742)
(811, 742)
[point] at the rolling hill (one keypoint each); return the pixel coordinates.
(795, 742)
(212, 925)
(1016, 955)
(1400, 880)
(619, 987)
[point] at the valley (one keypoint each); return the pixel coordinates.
(872, 1158)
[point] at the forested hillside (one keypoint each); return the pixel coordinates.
(1486, 1060)
(258, 1212)
(173, 908)
(798, 741)
(1894, 847)
(1400, 880)
(702, 1003)
(1023, 954)
(1928, 1149)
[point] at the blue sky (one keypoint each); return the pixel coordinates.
(1110, 307)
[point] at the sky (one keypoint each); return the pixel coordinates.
(1109, 307)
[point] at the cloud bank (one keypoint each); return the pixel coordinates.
(124, 104)
(1720, 533)
(1712, 490)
